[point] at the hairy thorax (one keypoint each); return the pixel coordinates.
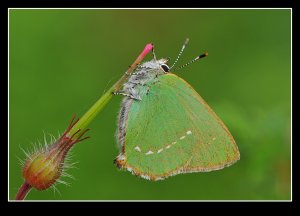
(141, 79)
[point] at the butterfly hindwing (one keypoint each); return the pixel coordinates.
(172, 130)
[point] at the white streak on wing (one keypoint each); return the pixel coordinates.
(149, 152)
(137, 149)
(182, 137)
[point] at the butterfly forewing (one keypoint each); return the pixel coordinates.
(172, 130)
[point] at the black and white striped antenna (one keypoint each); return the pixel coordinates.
(181, 51)
(190, 62)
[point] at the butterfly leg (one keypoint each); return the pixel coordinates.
(149, 86)
(127, 95)
(147, 91)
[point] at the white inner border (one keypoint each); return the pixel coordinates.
(151, 9)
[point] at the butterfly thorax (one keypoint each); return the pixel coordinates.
(145, 75)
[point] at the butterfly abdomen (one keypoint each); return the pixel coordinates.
(122, 119)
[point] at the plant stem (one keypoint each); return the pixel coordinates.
(86, 119)
(23, 191)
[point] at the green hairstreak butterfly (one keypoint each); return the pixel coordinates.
(166, 128)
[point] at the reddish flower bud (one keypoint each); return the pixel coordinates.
(44, 167)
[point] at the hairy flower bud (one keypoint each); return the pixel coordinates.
(44, 167)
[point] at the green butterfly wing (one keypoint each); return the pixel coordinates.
(172, 130)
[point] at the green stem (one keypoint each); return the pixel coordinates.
(86, 119)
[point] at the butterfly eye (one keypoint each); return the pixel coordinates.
(165, 67)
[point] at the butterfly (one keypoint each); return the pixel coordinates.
(166, 128)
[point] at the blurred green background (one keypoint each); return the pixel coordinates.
(61, 61)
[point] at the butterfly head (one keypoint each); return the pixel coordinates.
(159, 66)
(163, 64)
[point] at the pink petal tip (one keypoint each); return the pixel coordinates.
(147, 49)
